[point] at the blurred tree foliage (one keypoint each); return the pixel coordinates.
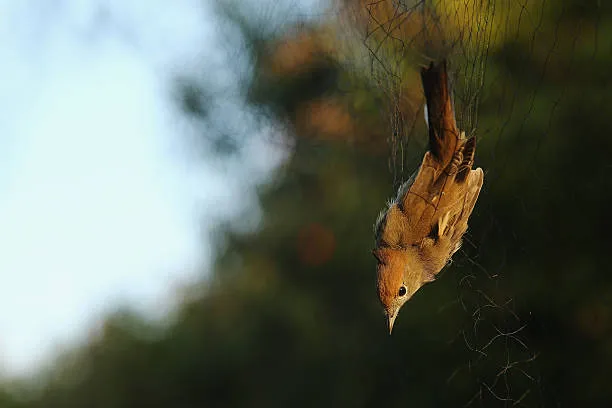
(289, 315)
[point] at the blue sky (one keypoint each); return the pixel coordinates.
(101, 199)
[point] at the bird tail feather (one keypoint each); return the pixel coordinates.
(444, 135)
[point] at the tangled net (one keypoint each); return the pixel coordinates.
(399, 37)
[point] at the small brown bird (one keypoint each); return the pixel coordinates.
(422, 227)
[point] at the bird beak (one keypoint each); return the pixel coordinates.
(391, 315)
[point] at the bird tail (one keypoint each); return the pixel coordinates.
(444, 135)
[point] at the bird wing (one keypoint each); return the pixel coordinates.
(444, 190)
(444, 182)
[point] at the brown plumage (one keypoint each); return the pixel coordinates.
(422, 227)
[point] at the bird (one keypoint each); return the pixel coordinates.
(422, 227)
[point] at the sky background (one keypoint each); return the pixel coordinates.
(102, 199)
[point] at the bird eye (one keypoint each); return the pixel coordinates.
(402, 291)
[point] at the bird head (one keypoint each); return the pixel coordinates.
(399, 276)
